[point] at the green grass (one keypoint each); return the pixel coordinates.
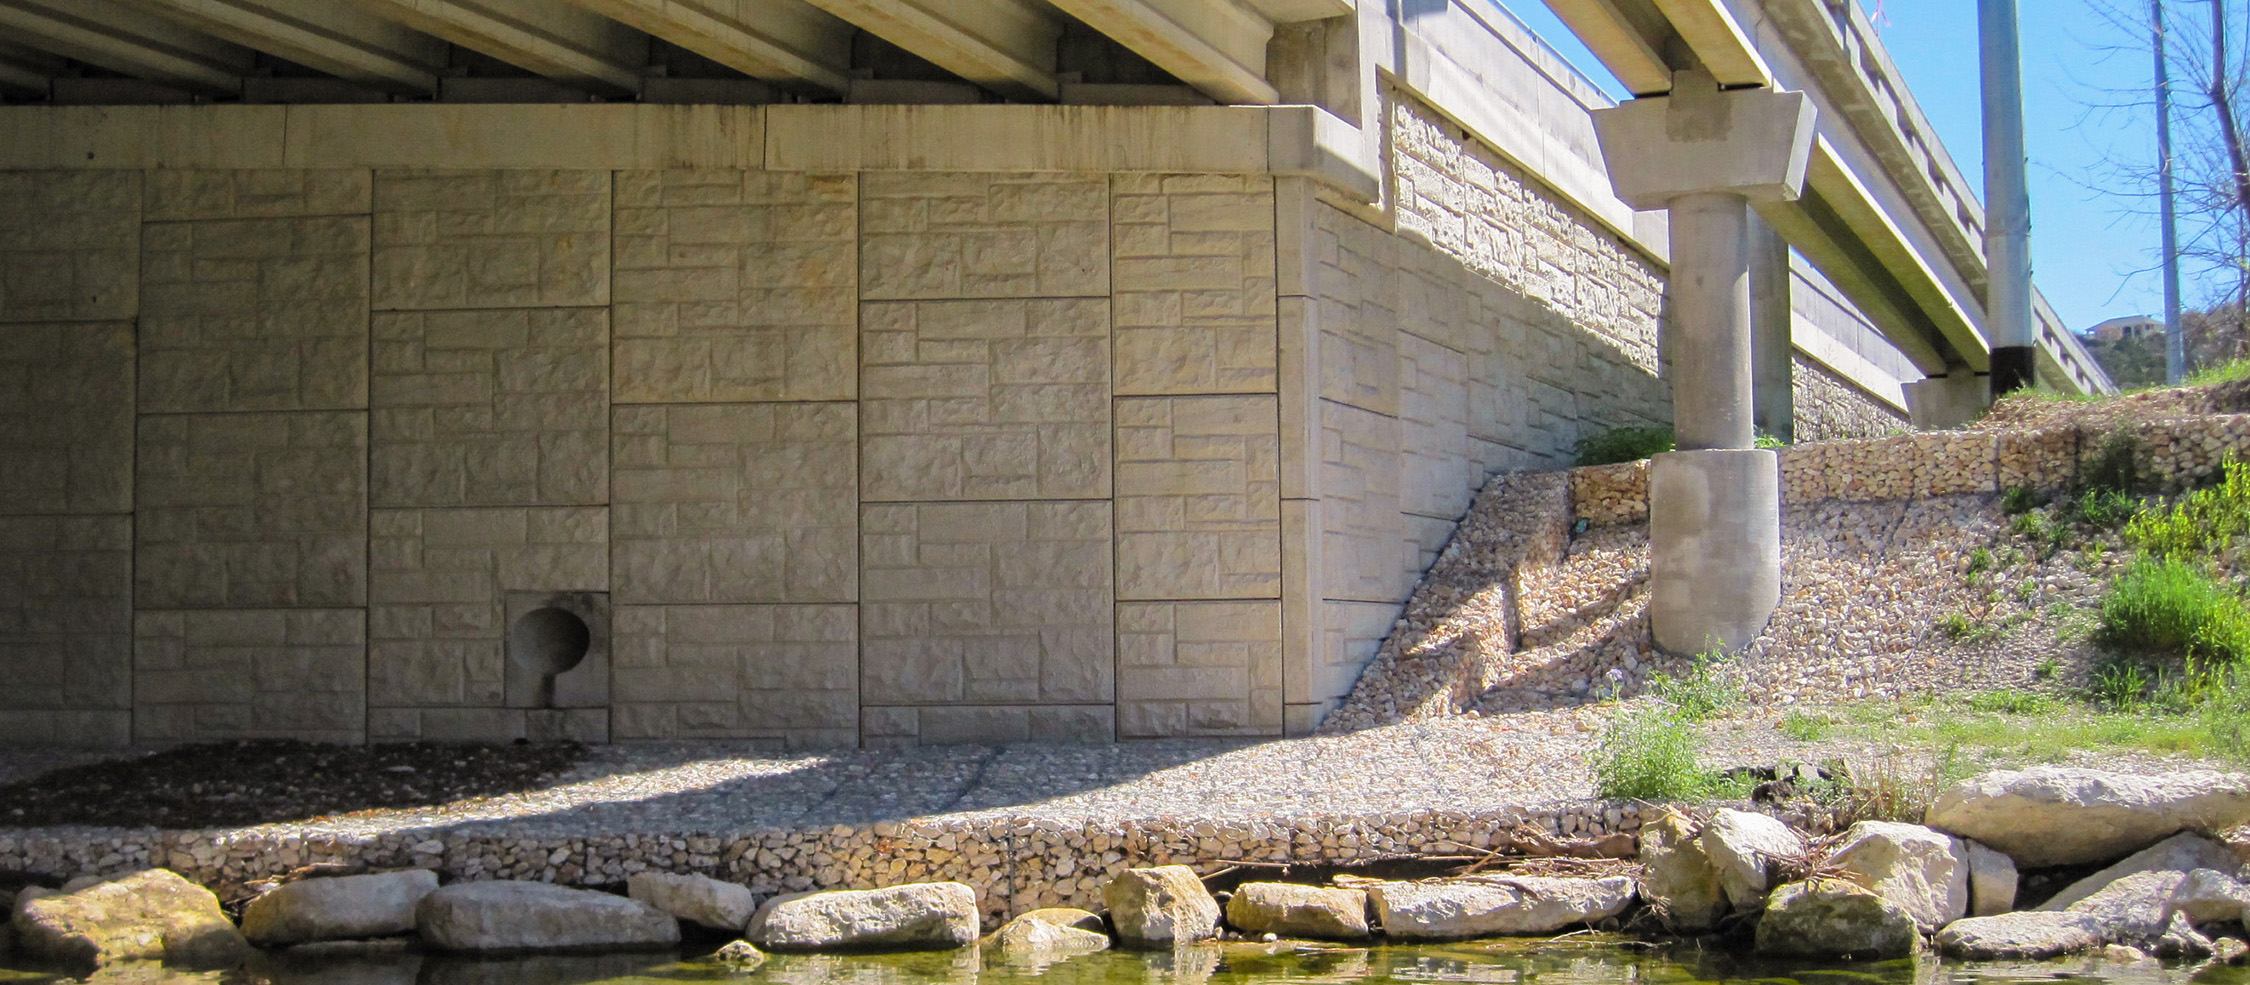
(1651, 754)
(2203, 525)
(2226, 372)
(1635, 443)
(1995, 736)
(2174, 608)
(1705, 690)
(1805, 726)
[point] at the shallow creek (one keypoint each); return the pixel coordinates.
(1578, 962)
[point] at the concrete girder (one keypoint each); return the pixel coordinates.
(1217, 46)
(1813, 227)
(1631, 40)
(1007, 46)
(328, 35)
(553, 39)
(776, 40)
(1296, 11)
(121, 39)
(27, 70)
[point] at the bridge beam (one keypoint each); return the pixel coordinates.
(1007, 46)
(555, 40)
(334, 37)
(121, 39)
(1218, 46)
(783, 41)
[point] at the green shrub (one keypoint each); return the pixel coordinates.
(2104, 509)
(2226, 372)
(1650, 754)
(1705, 690)
(2203, 525)
(2172, 607)
(2021, 499)
(1624, 445)
(2120, 683)
(2115, 464)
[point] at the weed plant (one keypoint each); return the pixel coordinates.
(1650, 754)
(2174, 607)
(2205, 525)
(1705, 690)
(1805, 726)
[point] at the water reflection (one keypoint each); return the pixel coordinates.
(1576, 962)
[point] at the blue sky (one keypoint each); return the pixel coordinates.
(2087, 247)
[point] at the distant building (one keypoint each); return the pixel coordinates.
(2127, 329)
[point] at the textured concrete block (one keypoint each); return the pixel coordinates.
(1198, 497)
(250, 674)
(987, 603)
(491, 239)
(254, 314)
(506, 407)
(1436, 475)
(1351, 634)
(935, 235)
(66, 418)
(251, 510)
(1362, 533)
(438, 583)
(785, 672)
(1198, 668)
(70, 244)
(985, 400)
(735, 503)
(1193, 265)
(173, 194)
(735, 286)
(989, 725)
(1356, 287)
(66, 621)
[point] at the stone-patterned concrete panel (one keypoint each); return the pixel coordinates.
(987, 724)
(507, 407)
(274, 193)
(70, 245)
(1198, 498)
(1193, 262)
(735, 503)
(491, 239)
(788, 673)
(1198, 668)
(254, 314)
(66, 629)
(1436, 476)
(254, 510)
(985, 400)
(986, 603)
(1361, 532)
(66, 418)
(437, 591)
(735, 286)
(1356, 283)
(250, 674)
(936, 235)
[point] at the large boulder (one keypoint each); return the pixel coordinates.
(2135, 910)
(1744, 847)
(2212, 896)
(1291, 910)
(342, 908)
(1067, 916)
(1030, 939)
(1493, 906)
(1992, 881)
(696, 899)
(1921, 870)
(2060, 815)
(538, 916)
(2181, 853)
(1677, 876)
(1161, 906)
(1834, 918)
(927, 915)
(155, 915)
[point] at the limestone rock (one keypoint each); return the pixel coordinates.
(2182, 940)
(1028, 939)
(2060, 815)
(1921, 870)
(1163, 905)
(1291, 910)
(341, 908)
(2136, 909)
(740, 957)
(1495, 906)
(537, 916)
(1068, 916)
(1742, 845)
(1836, 918)
(2180, 853)
(1992, 881)
(928, 915)
(695, 899)
(1677, 876)
(2212, 896)
(154, 915)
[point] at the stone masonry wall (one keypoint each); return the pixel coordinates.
(873, 458)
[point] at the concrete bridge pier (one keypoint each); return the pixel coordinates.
(1706, 154)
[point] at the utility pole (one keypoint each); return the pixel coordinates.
(2175, 344)
(2007, 222)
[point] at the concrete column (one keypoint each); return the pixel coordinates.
(1945, 402)
(1773, 358)
(1710, 287)
(1715, 505)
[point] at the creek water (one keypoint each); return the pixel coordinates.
(1576, 962)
